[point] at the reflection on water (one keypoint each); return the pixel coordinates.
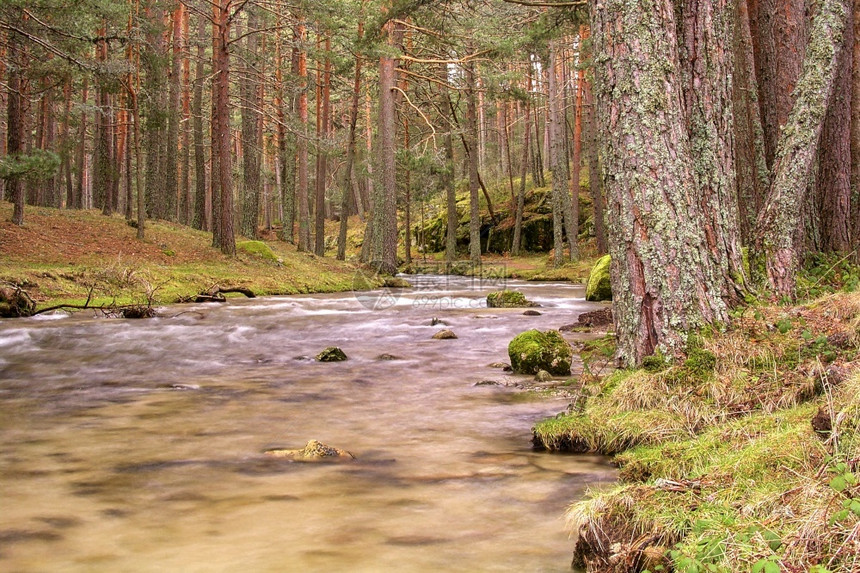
(137, 445)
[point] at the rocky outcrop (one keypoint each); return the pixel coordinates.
(599, 287)
(602, 317)
(534, 350)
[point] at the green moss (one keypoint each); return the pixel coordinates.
(508, 299)
(534, 350)
(599, 287)
(258, 248)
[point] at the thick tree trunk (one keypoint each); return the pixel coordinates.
(707, 63)
(855, 132)
(834, 156)
(662, 268)
(155, 105)
(779, 41)
(752, 174)
(559, 164)
(776, 255)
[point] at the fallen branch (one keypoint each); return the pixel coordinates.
(216, 294)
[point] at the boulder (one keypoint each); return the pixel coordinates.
(531, 313)
(445, 335)
(396, 282)
(331, 354)
(534, 350)
(508, 299)
(314, 451)
(598, 287)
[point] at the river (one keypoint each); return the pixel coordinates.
(138, 445)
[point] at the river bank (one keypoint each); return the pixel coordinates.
(745, 457)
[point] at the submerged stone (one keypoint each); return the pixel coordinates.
(396, 282)
(543, 376)
(313, 451)
(331, 354)
(599, 287)
(508, 299)
(534, 350)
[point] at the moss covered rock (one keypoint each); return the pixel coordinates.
(534, 350)
(598, 287)
(397, 282)
(314, 451)
(331, 354)
(258, 248)
(508, 299)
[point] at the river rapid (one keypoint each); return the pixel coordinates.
(138, 445)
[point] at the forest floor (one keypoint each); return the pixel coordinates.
(67, 256)
(743, 457)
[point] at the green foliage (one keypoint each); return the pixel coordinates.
(35, 166)
(827, 273)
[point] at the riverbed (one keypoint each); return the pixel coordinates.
(139, 445)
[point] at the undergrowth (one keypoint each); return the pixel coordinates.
(743, 457)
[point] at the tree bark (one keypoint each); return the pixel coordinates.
(707, 62)
(524, 169)
(855, 132)
(662, 268)
(776, 254)
(170, 193)
(322, 153)
(16, 96)
(453, 220)
(595, 179)
(834, 156)
(304, 214)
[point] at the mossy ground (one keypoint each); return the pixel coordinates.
(62, 257)
(721, 467)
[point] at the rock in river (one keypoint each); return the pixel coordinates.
(331, 354)
(534, 350)
(445, 335)
(508, 299)
(314, 451)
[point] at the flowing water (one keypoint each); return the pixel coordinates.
(139, 445)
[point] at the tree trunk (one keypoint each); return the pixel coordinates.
(102, 152)
(855, 133)
(322, 153)
(447, 179)
(170, 192)
(707, 63)
(776, 255)
(80, 162)
(524, 168)
(250, 108)
(221, 120)
(186, 208)
(304, 214)
(595, 179)
(202, 215)
(662, 268)
(346, 191)
(472, 155)
(386, 206)
(834, 155)
(16, 96)
(559, 163)
(153, 62)
(752, 174)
